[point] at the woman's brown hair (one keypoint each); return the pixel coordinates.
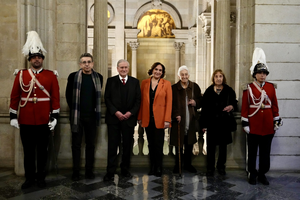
(221, 72)
(150, 71)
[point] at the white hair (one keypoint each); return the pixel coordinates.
(183, 67)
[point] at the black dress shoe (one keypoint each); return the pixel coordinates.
(75, 176)
(41, 183)
(125, 173)
(108, 177)
(210, 172)
(252, 181)
(89, 174)
(27, 184)
(263, 179)
(190, 168)
(222, 172)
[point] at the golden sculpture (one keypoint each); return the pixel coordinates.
(156, 23)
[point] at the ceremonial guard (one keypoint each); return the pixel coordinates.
(260, 118)
(35, 94)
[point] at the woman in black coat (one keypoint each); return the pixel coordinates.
(218, 100)
(186, 100)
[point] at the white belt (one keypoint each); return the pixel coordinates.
(266, 106)
(36, 99)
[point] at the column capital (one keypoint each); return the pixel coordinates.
(177, 45)
(206, 24)
(134, 45)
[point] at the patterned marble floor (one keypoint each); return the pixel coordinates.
(283, 185)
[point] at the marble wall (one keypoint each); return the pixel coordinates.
(276, 25)
(9, 54)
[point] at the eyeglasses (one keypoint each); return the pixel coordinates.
(84, 62)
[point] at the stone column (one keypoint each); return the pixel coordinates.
(222, 51)
(207, 50)
(244, 44)
(101, 39)
(208, 61)
(177, 46)
(120, 46)
(134, 46)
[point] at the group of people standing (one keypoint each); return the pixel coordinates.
(155, 106)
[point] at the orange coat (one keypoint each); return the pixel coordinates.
(162, 105)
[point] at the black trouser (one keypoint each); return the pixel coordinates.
(87, 126)
(211, 151)
(186, 158)
(264, 145)
(116, 133)
(35, 140)
(155, 139)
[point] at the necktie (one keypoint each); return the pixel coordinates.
(123, 80)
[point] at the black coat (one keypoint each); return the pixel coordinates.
(179, 109)
(214, 118)
(70, 87)
(114, 103)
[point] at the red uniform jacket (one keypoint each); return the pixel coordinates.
(35, 113)
(260, 123)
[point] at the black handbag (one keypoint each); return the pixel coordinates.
(231, 122)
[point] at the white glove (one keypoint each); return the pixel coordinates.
(277, 124)
(52, 124)
(14, 123)
(246, 129)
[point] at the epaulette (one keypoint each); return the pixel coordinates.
(274, 84)
(245, 86)
(16, 72)
(55, 72)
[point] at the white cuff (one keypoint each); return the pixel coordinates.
(12, 111)
(244, 119)
(56, 111)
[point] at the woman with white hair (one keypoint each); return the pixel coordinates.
(186, 101)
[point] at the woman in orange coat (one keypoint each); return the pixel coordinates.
(155, 113)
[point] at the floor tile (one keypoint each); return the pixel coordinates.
(234, 185)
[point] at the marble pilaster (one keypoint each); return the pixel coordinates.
(222, 51)
(120, 46)
(244, 44)
(206, 62)
(177, 46)
(134, 46)
(101, 39)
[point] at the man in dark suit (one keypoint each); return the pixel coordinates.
(83, 94)
(122, 99)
